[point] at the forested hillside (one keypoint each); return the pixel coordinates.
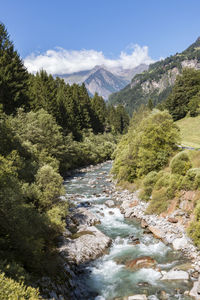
(156, 83)
(149, 157)
(46, 129)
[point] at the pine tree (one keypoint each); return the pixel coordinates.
(13, 75)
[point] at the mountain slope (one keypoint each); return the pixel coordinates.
(104, 83)
(157, 82)
(102, 80)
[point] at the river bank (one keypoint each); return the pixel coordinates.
(112, 250)
(114, 223)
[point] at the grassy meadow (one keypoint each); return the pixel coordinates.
(190, 131)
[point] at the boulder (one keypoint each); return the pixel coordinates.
(144, 224)
(111, 212)
(141, 262)
(83, 216)
(137, 297)
(128, 212)
(195, 291)
(134, 240)
(175, 275)
(179, 243)
(172, 220)
(156, 232)
(89, 244)
(110, 203)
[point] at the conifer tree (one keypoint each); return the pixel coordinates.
(13, 75)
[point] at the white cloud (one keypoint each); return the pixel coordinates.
(61, 61)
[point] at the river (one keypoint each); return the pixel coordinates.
(107, 277)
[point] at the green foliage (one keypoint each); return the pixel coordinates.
(194, 228)
(184, 95)
(180, 163)
(10, 289)
(13, 75)
(50, 187)
(174, 185)
(159, 202)
(191, 180)
(194, 105)
(163, 179)
(148, 185)
(146, 147)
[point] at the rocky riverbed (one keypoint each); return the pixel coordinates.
(115, 251)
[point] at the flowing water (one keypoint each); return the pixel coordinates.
(107, 277)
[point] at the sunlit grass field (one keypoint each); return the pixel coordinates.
(190, 131)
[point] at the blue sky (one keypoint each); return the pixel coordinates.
(101, 31)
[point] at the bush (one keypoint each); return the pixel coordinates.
(194, 228)
(191, 180)
(50, 187)
(148, 184)
(180, 163)
(159, 202)
(163, 180)
(147, 146)
(10, 289)
(174, 183)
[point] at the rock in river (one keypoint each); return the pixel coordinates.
(141, 262)
(84, 216)
(110, 203)
(179, 243)
(89, 244)
(175, 275)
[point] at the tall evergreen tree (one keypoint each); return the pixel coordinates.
(13, 75)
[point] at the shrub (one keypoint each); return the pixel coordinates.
(10, 289)
(148, 184)
(191, 180)
(147, 146)
(194, 228)
(163, 180)
(181, 163)
(50, 187)
(159, 202)
(174, 183)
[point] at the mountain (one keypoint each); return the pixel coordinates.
(156, 83)
(102, 80)
(104, 83)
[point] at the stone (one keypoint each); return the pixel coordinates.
(110, 203)
(194, 291)
(86, 247)
(134, 240)
(143, 283)
(144, 224)
(175, 275)
(179, 243)
(141, 262)
(128, 212)
(67, 232)
(156, 232)
(172, 220)
(84, 216)
(137, 297)
(111, 212)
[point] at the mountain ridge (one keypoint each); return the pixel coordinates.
(156, 83)
(102, 80)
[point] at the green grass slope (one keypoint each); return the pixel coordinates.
(190, 131)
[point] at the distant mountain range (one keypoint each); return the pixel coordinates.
(102, 80)
(156, 83)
